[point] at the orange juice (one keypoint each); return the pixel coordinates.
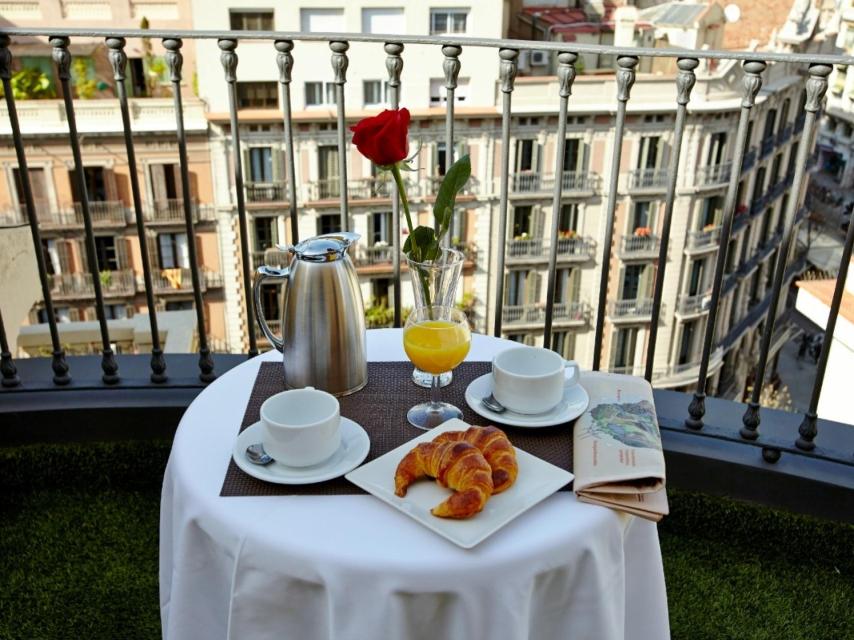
(436, 346)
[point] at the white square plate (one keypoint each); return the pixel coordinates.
(537, 480)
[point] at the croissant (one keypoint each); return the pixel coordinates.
(495, 446)
(457, 465)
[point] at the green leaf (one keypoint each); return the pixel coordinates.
(454, 181)
(423, 238)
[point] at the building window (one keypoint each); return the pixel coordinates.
(441, 156)
(568, 218)
(383, 21)
(624, 348)
(643, 216)
(96, 184)
(439, 95)
(105, 250)
(328, 223)
(319, 94)
(574, 155)
(137, 84)
(631, 281)
(444, 21)
(322, 20)
(257, 95)
(686, 346)
(115, 311)
(375, 92)
(563, 342)
(381, 228)
(61, 314)
(179, 305)
(717, 144)
(261, 164)
(165, 179)
(266, 232)
(649, 155)
(173, 251)
(523, 222)
(270, 302)
(713, 208)
(255, 20)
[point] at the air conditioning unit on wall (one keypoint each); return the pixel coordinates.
(539, 58)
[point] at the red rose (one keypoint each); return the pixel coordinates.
(383, 139)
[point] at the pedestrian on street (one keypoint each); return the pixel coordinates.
(803, 343)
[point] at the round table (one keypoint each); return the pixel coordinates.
(343, 567)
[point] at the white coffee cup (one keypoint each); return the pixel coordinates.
(301, 427)
(531, 380)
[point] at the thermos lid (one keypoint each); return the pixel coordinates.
(325, 248)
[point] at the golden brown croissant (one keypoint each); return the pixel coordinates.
(495, 447)
(456, 465)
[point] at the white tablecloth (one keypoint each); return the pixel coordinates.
(351, 567)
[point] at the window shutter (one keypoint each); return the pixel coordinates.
(89, 314)
(110, 187)
(158, 182)
(278, 164)
(129, 310)
(247, 165)
(584, 156)
(74, 314)
(574, 284)
(538, 223)
(81, 252)
(63, 250)
(122, 252)
(532, 287)
(645, 288)
(200, 259)
(151, 244)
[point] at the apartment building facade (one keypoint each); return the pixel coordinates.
(53, 180)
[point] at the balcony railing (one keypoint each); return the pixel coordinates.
(635, 309)
(266, 191)
(817, 447)
(648, 179)
(171, 212)
(577, 249)
(693, 304)
(704, 240)
(767, 146)
(565, 313)
(711, 175)
(637, 247)
(536, 182)
(68, 286)
(377, 254)
(784, 134)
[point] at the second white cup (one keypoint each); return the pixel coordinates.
(531, 380)
(301, 427)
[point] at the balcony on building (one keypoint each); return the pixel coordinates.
(170, 212)
(73, 286)
(632, 310)
(179, 280)
(692, 306)
(767, 145)
(703, 241)
(328, 190)
(377, 259)
(714, 175)
(532, 315)
(576, 183)
(570, 248)
(647, 180)
(785, 134)
(749, 158)
(641, 245)
(266, 192)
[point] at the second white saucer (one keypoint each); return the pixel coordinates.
(572, 405)
(355, 445)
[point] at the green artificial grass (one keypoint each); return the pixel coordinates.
(78, 554)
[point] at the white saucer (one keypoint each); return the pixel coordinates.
(354, 448)
(573, 404)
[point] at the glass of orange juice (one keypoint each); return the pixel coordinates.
(436, 339)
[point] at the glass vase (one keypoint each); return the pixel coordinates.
(434, 283)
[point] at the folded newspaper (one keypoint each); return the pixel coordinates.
(617, 456)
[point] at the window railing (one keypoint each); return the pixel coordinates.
(565, 313)
(692, 304)
(767, 146)
(276, 191)
(640, 246)
(70, 286)
(705, 239)
(679, 413)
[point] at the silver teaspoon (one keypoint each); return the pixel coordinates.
(256, 454)
(492, 404)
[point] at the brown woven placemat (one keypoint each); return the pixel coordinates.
(381, 409)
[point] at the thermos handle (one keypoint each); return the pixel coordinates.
(261, 274)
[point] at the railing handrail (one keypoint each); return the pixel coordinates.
(465, 41)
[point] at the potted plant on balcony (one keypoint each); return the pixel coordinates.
(568, 234)
(642, 232)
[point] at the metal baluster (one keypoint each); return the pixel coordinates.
(58, 363)
(451, 67)
(339, 67)
(228, 58)
(62, 58)
(752, 83)
(394, 66)
(7, 365)
(816, 87)
(685, 80)
(565, 76)
(286, 63)
(507, 73)
(118, 60)
(625, 79)
(175, 61)
(808, 428)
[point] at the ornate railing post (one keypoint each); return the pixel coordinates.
(285, 62)
(339, 68)
(394, 66)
